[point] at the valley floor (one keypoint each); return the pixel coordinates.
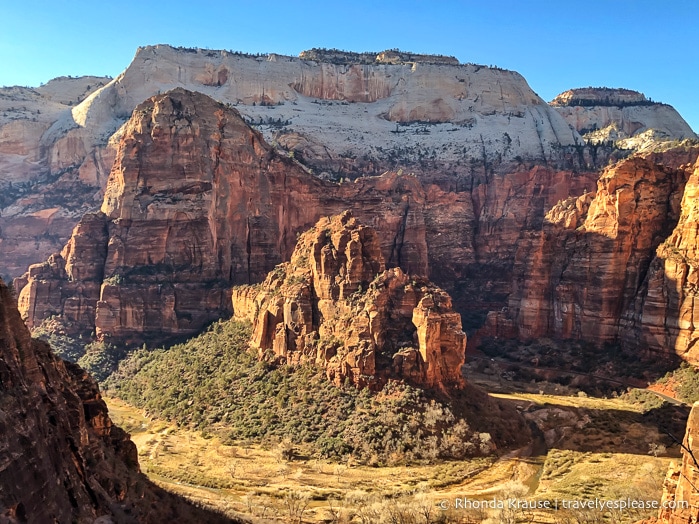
(590, 449)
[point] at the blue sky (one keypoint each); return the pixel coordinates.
(650, 46)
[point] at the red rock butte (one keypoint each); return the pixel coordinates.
(335, 305)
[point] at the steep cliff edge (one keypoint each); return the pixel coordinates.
(335, 305)
(62, 458)
(680, 492)
(592, 271)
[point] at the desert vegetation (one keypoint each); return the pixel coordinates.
(212, 383)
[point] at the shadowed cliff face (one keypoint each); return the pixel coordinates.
(62, 459)
(664, 316)
(607, 266)
(335, 305)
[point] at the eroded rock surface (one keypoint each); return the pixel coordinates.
(62, 458)
(596, 269)
(680, 486)
(335, 305)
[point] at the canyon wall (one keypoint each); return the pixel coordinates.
(195, 203)
(665, 313)
(613, 265)
(437, 118)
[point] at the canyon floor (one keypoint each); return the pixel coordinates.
(601, 448)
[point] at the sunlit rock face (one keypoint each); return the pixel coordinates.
(343, 115)
(603, 114)
(197, 202)
(335, 305)
(680, 492)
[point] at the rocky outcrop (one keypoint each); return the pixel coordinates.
(335, 305)
(62, 458)
(590, 272)
(604, 114)
(680, 493)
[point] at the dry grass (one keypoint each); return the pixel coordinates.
(262, 483)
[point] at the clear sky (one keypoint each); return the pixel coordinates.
(649, 46)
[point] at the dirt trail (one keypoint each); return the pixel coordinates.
(519, 466)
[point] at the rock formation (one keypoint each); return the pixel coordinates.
(664, 315)
(620, 115)
(62, 458)
(680, 487)
(602, 268)
(428, 114)
(335, 305)
(196, 202)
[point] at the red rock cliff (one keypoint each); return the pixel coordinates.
(591, 272)
(62, 458)
(665, 316)
(196, 202)
(680, 487)
(335, 305)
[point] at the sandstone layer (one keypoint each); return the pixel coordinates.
(45, 185)
(603, 114)
(62, 458)
(428, 114)
(335, 305)
(608, 267)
